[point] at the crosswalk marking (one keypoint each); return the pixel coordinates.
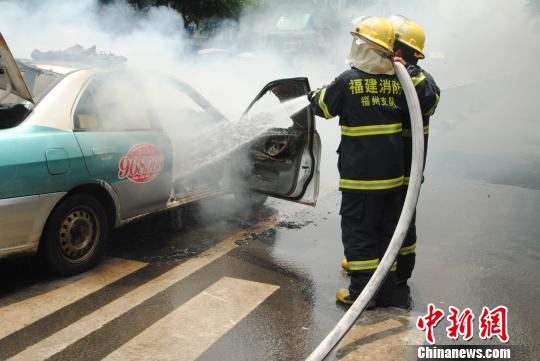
(387, 331)
(26, 307)
(192, 328)
(65, 337)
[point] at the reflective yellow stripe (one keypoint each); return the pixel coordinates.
(323, 106)
(375, 260)
(394, 267)
(432, 110)
(408, 133)
(371, 184)
(371, 130)
(418, 79)
(407, 250)
(363, 265)
(407, 180)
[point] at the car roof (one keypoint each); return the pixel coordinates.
(62, 69)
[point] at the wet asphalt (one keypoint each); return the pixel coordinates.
(478, 245)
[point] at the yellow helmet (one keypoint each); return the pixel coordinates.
(409, 33)
(378, 31)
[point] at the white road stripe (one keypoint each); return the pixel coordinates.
(30, 305)
(389, 331)
(193, 327)
(60, 340)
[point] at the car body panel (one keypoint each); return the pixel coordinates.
(105, 154)
(56, 109)
(23, 161)
(22, 220)
(134, 156)
(311, 191)
(57, 161)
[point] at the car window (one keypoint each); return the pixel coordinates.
(114, 104)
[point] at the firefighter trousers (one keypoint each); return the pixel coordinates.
(407, 254)
(368, 221)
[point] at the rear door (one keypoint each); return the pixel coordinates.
(285, 157)
(123, 142)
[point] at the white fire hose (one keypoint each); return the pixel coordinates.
(376, 281)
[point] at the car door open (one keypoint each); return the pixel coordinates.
(285, 157)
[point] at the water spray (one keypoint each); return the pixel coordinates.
(235, 134)
(376, 281)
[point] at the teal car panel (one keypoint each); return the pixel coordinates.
(57, 161)
(24, 170)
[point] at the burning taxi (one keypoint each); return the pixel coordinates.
(74, 164)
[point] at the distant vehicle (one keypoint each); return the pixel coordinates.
(298, 34)
(73, 164)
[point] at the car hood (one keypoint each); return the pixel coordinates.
(10, 73)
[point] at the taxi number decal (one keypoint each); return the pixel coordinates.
(141, 163)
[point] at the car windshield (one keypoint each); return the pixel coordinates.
(13, 109)
(189, 99)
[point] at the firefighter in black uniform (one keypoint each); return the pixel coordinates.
(408, 48)
(369, 102)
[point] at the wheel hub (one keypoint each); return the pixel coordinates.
(78, 234)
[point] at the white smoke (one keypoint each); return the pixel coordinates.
(482, 54)
(143, 37)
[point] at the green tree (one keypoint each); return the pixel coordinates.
(197, 11)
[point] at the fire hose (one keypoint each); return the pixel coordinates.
(409, 206)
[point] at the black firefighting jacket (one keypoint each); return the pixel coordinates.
(428, 94)
(371, 114)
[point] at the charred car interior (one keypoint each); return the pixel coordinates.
(278, 154)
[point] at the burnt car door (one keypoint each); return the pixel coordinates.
(123, 143)
(284, 158)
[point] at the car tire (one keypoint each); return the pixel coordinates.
(75, 234)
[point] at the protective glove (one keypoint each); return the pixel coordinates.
(413, 70)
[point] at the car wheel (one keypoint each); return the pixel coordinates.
(75, 234)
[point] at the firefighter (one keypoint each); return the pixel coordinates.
(369, 102)
(408, 49)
